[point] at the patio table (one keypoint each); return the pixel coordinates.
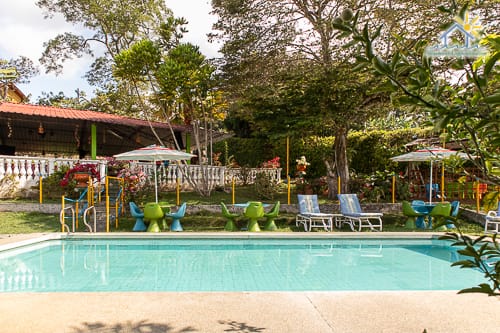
(426, 209)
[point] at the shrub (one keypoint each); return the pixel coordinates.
(265, 187)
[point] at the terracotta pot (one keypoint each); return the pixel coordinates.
(82, 179)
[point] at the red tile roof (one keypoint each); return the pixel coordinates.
(54, 112)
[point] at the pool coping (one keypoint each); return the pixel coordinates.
(12, 241)
(332, 311)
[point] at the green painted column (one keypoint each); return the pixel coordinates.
(93, 148)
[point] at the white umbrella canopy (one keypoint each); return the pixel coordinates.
(429, 154)
(154, 153)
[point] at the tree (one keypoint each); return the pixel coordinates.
(17, 70)
(263, 36)
(467, 108)
(181, 84)
(80, 102)
(110, 27)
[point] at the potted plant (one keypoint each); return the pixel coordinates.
(78, 177)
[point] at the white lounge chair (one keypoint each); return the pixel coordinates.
(353, 214)
(492, 221)
(310, 216)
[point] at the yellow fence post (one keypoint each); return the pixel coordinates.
(178, 191)
(107, 212)
(62, 214)
(442, 182)
(289, 186)
(393, 188)
(477, 196)
(232, 191)
(41, 190)
(338, 185)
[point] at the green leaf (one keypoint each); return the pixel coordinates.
(342, 27)
(380, 65)
(493, 99)
(482, 288)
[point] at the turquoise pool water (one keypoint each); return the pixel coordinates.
(87, 265)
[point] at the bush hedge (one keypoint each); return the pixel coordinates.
(368, 151)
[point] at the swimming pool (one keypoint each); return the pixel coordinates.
(227, 264)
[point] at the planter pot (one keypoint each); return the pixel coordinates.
(82, 179)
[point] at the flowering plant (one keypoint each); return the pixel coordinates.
(273, 163)
(134, 181)
(68, 178)
(115, 166)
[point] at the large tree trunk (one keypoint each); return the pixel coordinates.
(340, 147)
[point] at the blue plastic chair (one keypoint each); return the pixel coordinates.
(139, 217)
(455, 208)
(177, 216)
(436, 193)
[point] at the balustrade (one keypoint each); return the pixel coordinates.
(28, 170)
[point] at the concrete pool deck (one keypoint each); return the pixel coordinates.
(408, 311)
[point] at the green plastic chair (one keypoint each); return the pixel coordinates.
(254, 212)
(153, 213)
(270, 216)
(412, 215)
(439, 214)
(231, 223)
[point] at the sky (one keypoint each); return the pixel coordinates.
(24, 30)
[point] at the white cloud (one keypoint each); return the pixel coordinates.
(24, 24)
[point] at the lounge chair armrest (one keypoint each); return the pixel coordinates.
(492, 213)
(364, 214)
(318, 215)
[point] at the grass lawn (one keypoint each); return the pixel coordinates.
(18, 223)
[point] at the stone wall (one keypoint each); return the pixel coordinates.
(192, 209)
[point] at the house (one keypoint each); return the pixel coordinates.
(11, 93)
(34, 130)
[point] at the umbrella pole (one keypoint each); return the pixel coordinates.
(156, 183)
(430, 186)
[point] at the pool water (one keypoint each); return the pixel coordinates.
(86, 265)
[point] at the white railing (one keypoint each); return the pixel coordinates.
(28, 170)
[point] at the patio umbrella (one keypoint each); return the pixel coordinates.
(154, 153)
(429, 154)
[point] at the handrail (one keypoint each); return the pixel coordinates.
(91, 208)
(62, 218)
